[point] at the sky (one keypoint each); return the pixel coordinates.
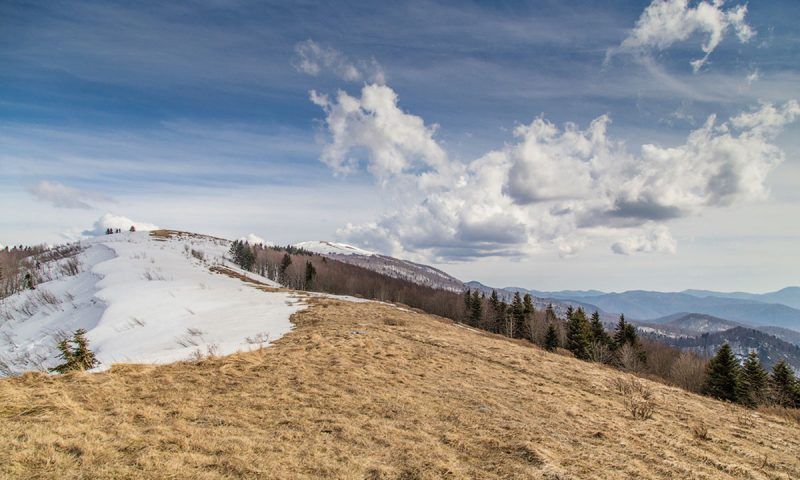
(548, 145)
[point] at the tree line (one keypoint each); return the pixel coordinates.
(585, 337)
(749, 383)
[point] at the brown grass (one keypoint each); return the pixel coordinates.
(369, 391)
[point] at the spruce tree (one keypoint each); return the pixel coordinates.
(79, 357)
(784, 390)
(578, 335)
(286, 261)
(527, 304)
(599, 333)
(551, 338)
(528, 315)
(754, 381)
(493, 300)
(467, 303)
(518, 316)
(723, 375)
(476, 312)
(311, 273)
(619, 332)
(500, 318)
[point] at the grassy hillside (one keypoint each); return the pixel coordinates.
(367, 390)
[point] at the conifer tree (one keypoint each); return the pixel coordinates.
(723, 375)
(784, 390)
(286, 261)
(467, 303)
(518, 316)
(311, 273)
(551, 338)
(619, 332)
(599, 333)
(500, 318)
(578, 335)
(79, 357)
(493, 300)
(754, 381)
(527, 304)
(528, 315)
(476, 312)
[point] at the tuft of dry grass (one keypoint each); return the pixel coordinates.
(370, 391)
(637, 397)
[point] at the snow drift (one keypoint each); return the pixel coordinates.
(143, 299)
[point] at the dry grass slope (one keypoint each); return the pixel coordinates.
(370, 391)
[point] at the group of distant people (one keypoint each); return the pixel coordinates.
(109, 231)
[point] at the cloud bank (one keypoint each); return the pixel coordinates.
(552, 188)
(665, 22)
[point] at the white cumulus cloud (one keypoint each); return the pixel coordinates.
(254, 239)
(665, 22)
(552, 188)
(655, 240)
(395, 142)
(109, 220)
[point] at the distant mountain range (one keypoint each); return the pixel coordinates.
(742, 340)
(789, 296)
(688, 324)
(779, 310)
(655, 307)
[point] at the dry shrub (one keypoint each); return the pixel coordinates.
(689, 372)
(70, 267)
(600, 353)
(637, 397)
(788, 413)
(700, 430)
(394, 321)
(630, 358)
(46, 297)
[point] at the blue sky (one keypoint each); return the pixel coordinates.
(200, 116)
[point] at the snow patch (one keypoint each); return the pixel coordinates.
(143, 299)
(327, 248)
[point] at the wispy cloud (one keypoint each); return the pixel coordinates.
(314, 59)
(62, 196)
(665, 22)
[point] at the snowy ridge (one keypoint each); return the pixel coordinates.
(143, 299)
(385, 265)
(326, 248)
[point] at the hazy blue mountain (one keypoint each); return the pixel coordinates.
(540, 302)
(742, 340)
(789, 296)
(564, 294)
(694, 323)
(649, 306)
(785, 334)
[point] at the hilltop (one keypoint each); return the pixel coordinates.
(369, 390)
